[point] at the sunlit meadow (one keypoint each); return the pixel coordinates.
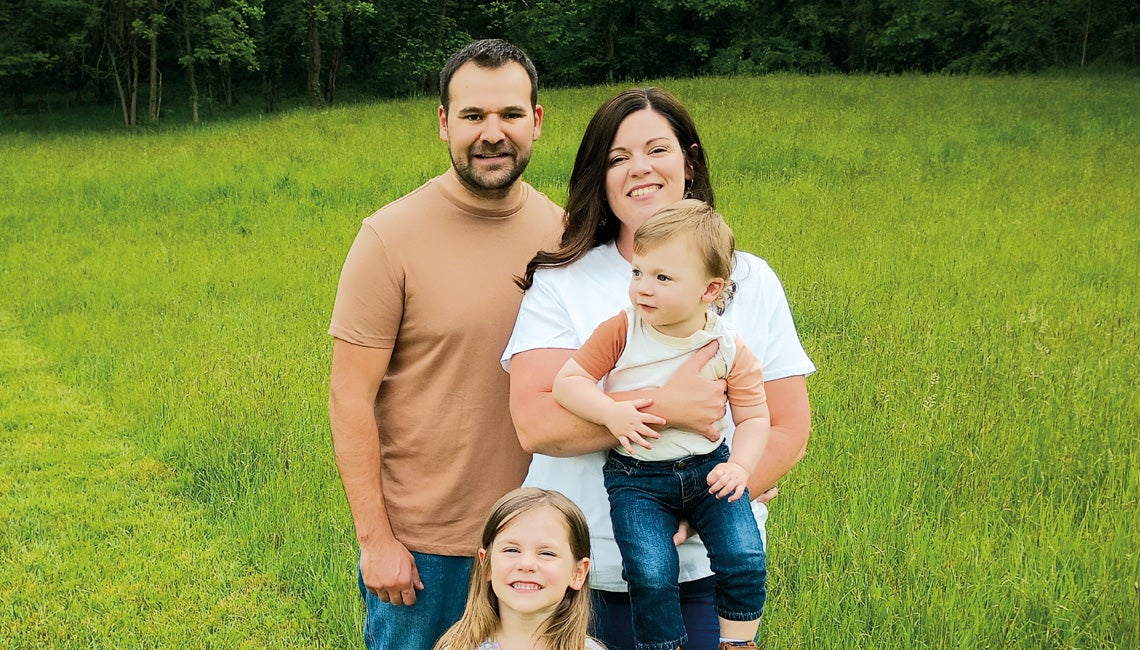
(962, 257)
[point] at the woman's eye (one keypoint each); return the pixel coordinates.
(617, 160)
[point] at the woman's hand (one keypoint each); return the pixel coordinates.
(691, 401)
(767, 495)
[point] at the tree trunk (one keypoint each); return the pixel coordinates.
(1085, 40)
(133, 86)
(228, 84)
(610, 50)
(334, 67)
(314, 39)
(155, 98)
(191, 79)
(193, 93)
(124, 63)
(119, 89)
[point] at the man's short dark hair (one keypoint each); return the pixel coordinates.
(490, 53)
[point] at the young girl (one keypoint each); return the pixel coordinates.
(528, 586)
(682, 262)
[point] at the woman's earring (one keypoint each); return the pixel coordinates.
(688, 189)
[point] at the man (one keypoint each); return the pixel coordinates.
(418, 402)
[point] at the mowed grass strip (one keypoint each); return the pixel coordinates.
(96, 550)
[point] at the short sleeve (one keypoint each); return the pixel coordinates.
(761, 315)
(600, 353)
(370, 297)
(746, 378)
(543, 322)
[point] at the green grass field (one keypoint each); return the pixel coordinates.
(962, 256)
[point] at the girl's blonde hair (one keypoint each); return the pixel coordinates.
(566, 628)
(703, 226)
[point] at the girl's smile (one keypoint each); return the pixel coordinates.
(532, 565)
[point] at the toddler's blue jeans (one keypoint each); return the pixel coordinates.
(647, 501)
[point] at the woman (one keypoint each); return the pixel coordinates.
(641, 152)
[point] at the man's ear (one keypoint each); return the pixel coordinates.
(538, 112)
(442, 123)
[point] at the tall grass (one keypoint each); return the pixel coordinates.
(961, 256)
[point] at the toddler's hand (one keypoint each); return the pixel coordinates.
(630, 425)
(728, 479)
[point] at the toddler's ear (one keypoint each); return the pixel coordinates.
(712, 291)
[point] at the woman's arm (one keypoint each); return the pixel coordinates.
(578, 392)
(544, 427)
(787, 440)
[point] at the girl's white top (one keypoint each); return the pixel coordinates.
(562, 309)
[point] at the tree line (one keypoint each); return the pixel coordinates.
(214, 51)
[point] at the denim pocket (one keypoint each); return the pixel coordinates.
(618, 465)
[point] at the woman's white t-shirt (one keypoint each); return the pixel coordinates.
(561, 310)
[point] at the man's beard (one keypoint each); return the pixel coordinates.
(492, 184)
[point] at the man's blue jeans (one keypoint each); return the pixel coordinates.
(438, 606)
(647, 500)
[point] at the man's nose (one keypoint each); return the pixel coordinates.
(492, 129)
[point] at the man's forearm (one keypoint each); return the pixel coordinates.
(356, 444)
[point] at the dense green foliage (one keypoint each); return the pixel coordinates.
(216, 51)
(962, 257)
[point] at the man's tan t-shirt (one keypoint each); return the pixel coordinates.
(432, 277)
